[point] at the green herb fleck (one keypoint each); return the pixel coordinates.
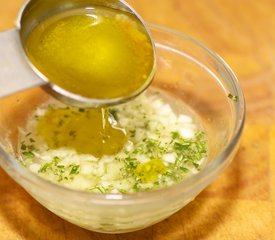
(175, 135)
(101, 189)
(122, 191)
(136, 187)
(196, 165)
(56, 158)
(181, 146)
(44, 168)
(28, 154)
(233, 97)
(23, 146)
(132, 133)
(75, 169)
(185, 170)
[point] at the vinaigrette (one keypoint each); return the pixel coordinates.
(162, 148)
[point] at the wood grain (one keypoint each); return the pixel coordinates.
(241, 203)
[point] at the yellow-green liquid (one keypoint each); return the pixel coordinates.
(88, 131)
(97, 53)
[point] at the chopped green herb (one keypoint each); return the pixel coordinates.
(101, 189)
(23, 146)
(30, 147)
(156, 183)
(196, 165)
(233, 97)
(136, 187)
(75, 169)
(57, 158)
(185, 170)
(181, 146)
(44, 168)
(28, 154)
(122, 191)
(132, 133)
(175, 135)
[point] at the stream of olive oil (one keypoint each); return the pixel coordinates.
(98, 53)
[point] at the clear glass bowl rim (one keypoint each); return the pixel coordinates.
(14, 168)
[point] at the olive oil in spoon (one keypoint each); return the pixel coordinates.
(98, 53)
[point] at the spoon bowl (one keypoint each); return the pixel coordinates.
(15, 62)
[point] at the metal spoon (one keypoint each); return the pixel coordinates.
(16, 71)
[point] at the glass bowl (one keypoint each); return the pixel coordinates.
(190, 72)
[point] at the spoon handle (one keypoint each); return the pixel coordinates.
(15, 72)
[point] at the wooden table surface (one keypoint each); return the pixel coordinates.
(240, 204)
